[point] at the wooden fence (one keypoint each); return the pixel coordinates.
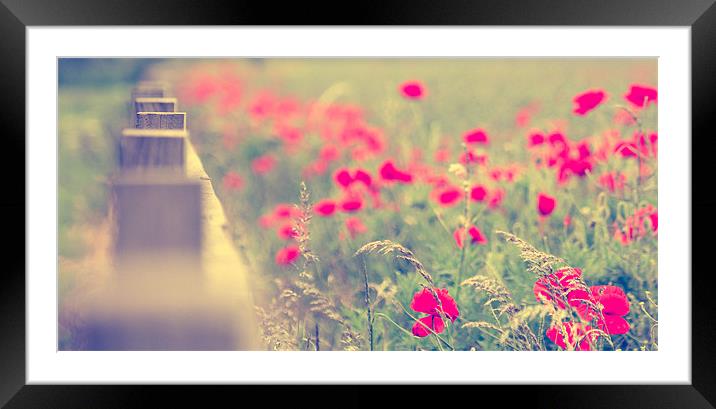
(177, 282)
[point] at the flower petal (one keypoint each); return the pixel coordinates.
(422, 327)
(424, 301)
(616, 325)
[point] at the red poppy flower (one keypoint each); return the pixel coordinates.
(523, 117)
(424, 301)
(447, 196)
(478, 193)
(325, 207)
(355, 226)
(556, 138)
(233, 181)
(477, 135)
(413, 90)
(286, 211)
(587, 101)
(535, 139)
(545, 204)
(635, 226)
(570, 336)
(343, 177)
(363, 176)
(496, 198)
(558, 285)
(626, 149)
(389, 172)
(352, 204)
(423, 326)
(287, 255)
(329, 153)
(476, 236)
(263, 164)
(469, 157)
(615, 305)
(442, 155)
(641, 95)
(286, 232)
(613, 181)
(654, 217)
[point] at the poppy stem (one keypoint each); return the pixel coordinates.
(466, 225)
(367, 303)
(318, 339)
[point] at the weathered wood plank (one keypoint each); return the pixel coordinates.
(161, 120)
(157, 213)
(153, 148)
(155, 105)
(179, 283)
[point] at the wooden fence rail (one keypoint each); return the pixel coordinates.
(177, 282)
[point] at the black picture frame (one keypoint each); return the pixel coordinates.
(15, 15)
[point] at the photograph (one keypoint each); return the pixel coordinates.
(358, 204)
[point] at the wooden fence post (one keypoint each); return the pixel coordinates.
(161, 120)
(142, 149)
(163, 294)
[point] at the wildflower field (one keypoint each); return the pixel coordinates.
(436, 204)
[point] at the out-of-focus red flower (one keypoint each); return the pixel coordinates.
(613, 181)
(355, 226)
(641, 95)
(263, 164)
(201, 87)
(325, 207)
(571, 336)
(622, 117)
(329, 153)
(447, 196)
(413, 90)
(545, 204)
(535, 139)
(351, 204)
(469, 157)
(634, 226)
(389, 172)
(287, 255)
(266, 221)
(569, 167)
(362, 175)
(425, 301)
(476, 136)
(343, 177)
(496, 198)
(639, 144)
(442, 155)
(626, 149)
(286, 211)
(233, 181)
(478, 193)
(476, 236)
(262, 106)
(587, 101)
(286, 232)
(557, 138)
(231, 93)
